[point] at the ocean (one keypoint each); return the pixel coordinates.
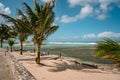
(54, 45)
(82, 51)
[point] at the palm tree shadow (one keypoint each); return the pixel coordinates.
(59, 67)
(32, 59)
(28, 59)
(62, 67)
(42, 65)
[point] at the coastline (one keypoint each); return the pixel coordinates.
(81, 51)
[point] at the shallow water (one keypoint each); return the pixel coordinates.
(54, 45)
(80, 51)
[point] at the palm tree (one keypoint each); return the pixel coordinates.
(20, 27)
(109, 49)
(11, 42)
(22, 33)
(38, 22)
(5, 33)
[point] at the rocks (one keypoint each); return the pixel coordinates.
(109, 68)
(115, 70)
(90, 65)
(92, 70)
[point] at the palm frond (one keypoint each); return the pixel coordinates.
(32, 17)
(9, 19)
(23, 16)
(109, 49)
(11, 42)
(25, 28)
(48, 21)
(37, 8)
(50, 31)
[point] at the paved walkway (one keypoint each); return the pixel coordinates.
(4, 68)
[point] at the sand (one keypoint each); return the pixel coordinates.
(61, 69)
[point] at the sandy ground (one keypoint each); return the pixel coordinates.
(4, 67)
(52, 69)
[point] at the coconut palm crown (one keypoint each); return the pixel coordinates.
(41, 23)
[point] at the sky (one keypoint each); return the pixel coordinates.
(78, 20)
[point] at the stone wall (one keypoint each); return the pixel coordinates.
(18, 70)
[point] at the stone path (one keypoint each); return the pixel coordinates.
(4, 67)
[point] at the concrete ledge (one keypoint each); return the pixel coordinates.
(18, 70)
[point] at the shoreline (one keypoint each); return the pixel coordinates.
(81, 53)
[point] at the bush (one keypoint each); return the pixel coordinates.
(109, 49)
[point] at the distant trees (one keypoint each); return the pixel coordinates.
(6, 32)
(11, 42)
(109, 49)
(20, 29)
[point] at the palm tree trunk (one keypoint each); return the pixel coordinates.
(21, 47)
(38, 53)
(1, 42)
(11, 48)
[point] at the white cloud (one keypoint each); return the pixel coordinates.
(7, 10)
(74, 2)
(54, 24)
(92, 36)
(94, 8)
(85, 11)
(103, 7)
(66, 19)
(101, 16)
(106, 34)
(64, 38)
(4, 10)
(76, 37)
(89, 36)
(102, 3)
(57, 18)
(47, 0)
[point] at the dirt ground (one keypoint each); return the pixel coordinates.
(4, 68)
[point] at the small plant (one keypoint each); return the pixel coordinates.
(11, 42)
(109, 49)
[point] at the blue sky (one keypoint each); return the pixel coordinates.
(78, 20)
